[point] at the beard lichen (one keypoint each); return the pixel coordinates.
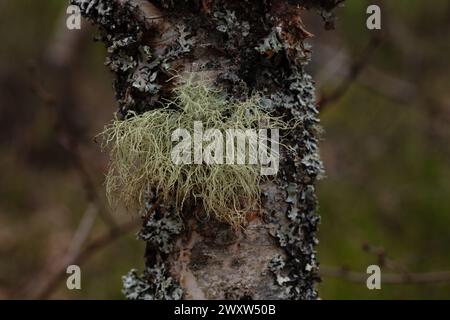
(141, 156)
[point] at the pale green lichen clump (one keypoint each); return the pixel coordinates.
(140, 154)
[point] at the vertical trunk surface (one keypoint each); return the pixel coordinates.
(245, 47)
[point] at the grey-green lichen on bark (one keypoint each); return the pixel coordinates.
(153, 284)
(160, 227)
(248, 46)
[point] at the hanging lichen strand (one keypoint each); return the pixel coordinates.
(246, 47)
(141, 156)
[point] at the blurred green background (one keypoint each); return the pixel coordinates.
(385, 199)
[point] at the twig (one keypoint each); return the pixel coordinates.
(402, 276)
(387, 278)
(80, 257)
(382, 258)
(83, 230)
(355, 70)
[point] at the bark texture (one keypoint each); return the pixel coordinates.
(245, 46)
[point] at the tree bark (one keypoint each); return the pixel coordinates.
(245, 46)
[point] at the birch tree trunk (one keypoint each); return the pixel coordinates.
(245, 46)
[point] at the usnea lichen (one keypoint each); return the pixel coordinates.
(141, 154)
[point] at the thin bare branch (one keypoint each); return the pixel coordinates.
(81, 257)
(354, 71)
(387, 278)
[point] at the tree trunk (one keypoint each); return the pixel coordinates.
(245, 46)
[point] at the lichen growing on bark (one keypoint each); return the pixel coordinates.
(141, 153)
(153, 284)
(161, 226)
(247, 46)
